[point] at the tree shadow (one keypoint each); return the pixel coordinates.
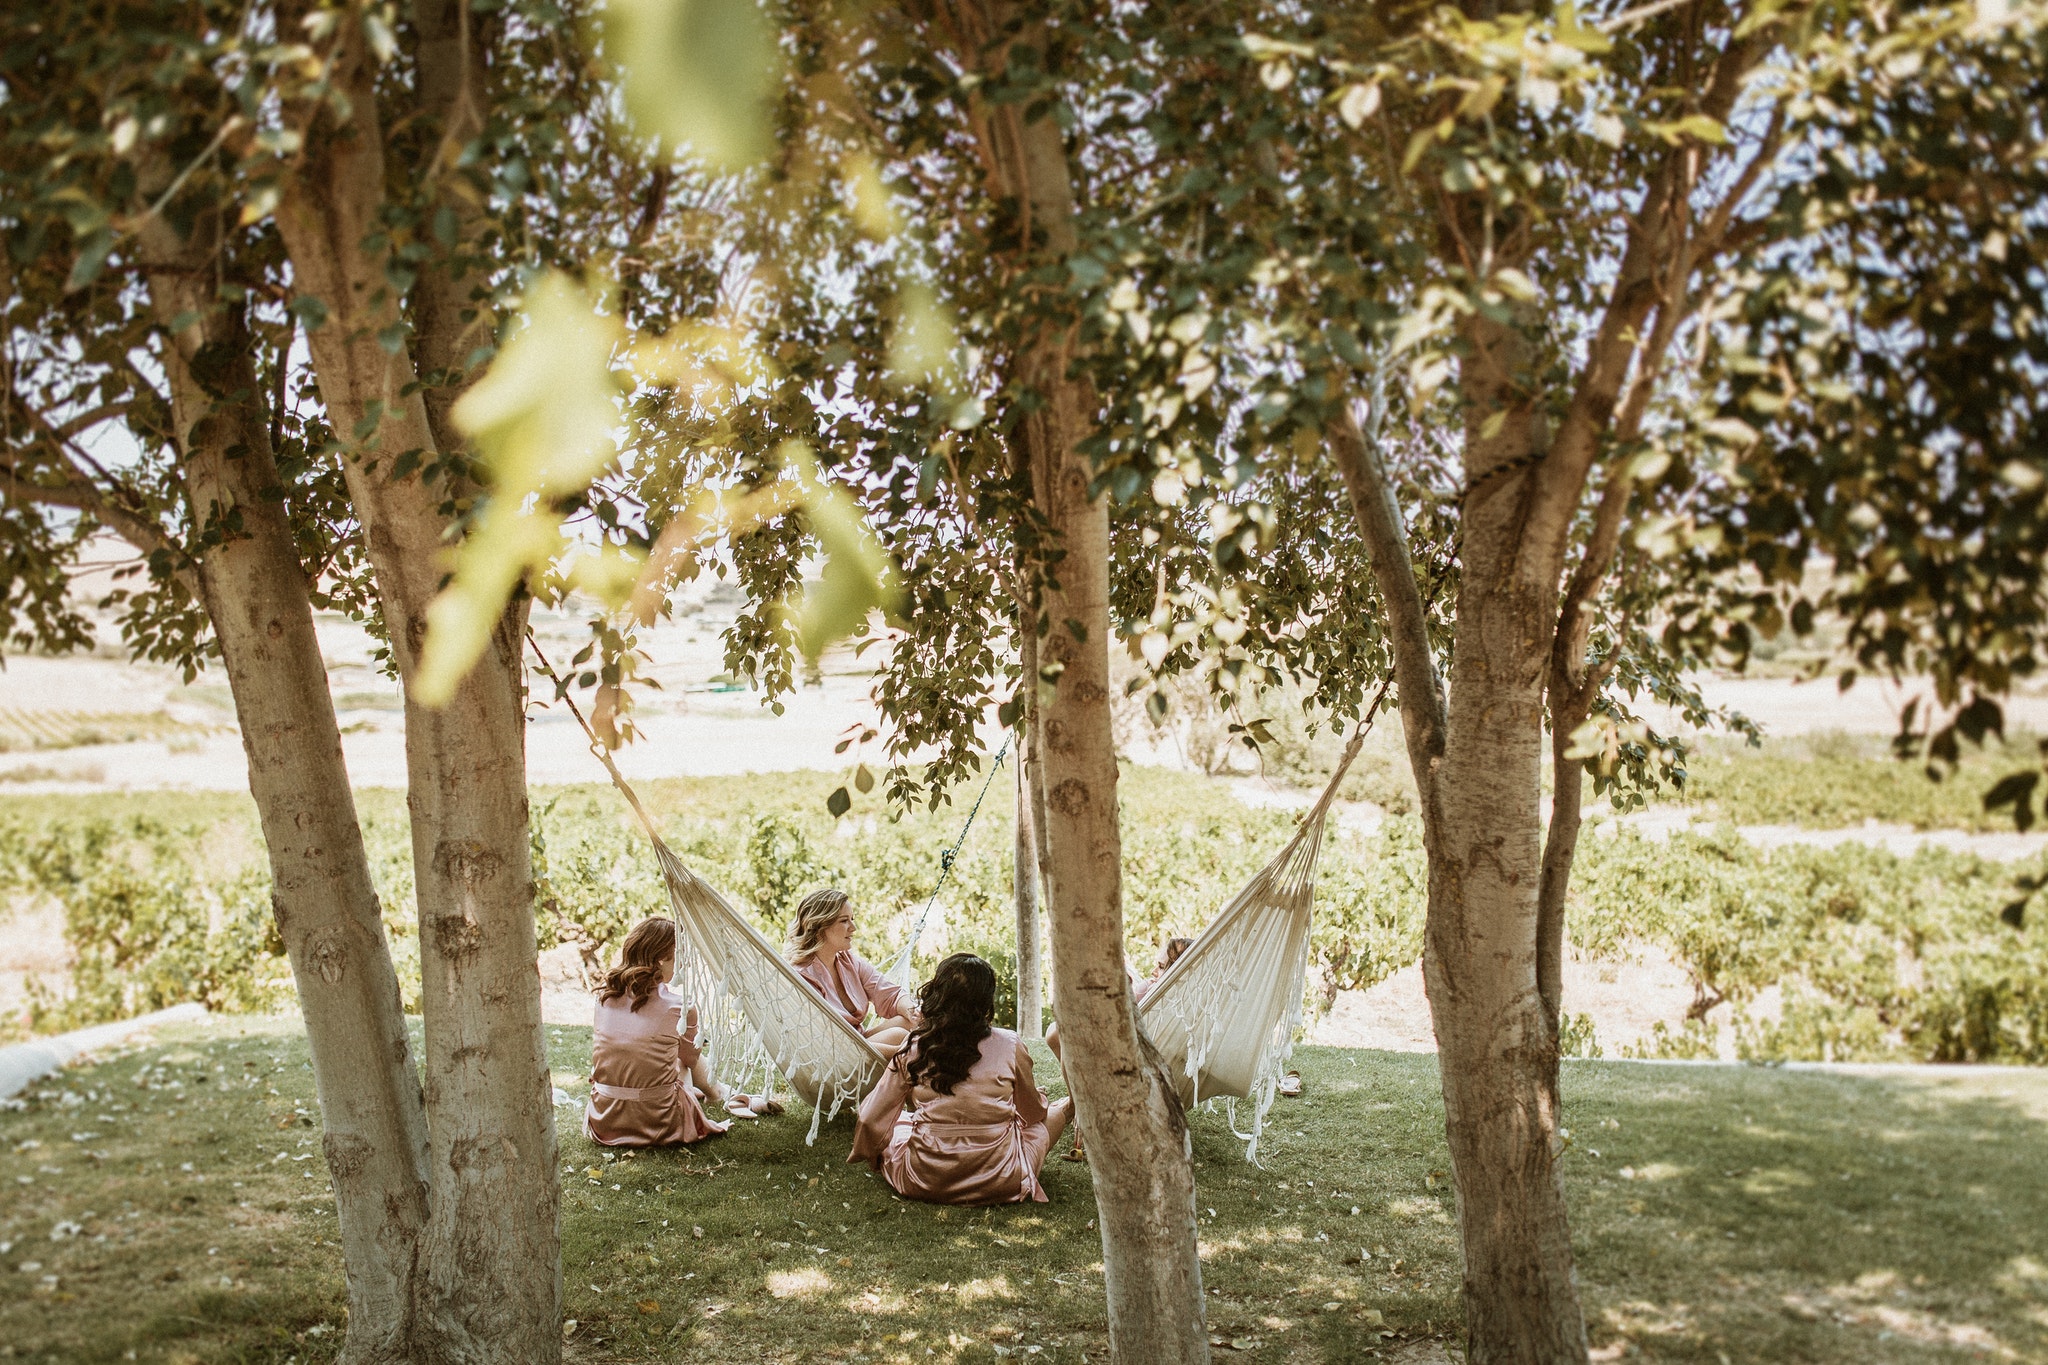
(1761, 1213)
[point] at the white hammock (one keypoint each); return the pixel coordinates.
(1223, 1015)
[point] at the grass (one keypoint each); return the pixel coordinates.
(1719, 1214)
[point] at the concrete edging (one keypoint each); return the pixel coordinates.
(24, 1063)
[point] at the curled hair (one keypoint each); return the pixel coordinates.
(1175, 946)
(959, 1009)
(813, 915)
(639, 971)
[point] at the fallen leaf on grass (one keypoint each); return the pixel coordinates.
(649, 1305)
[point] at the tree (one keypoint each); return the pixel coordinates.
(184, 344)
(198, 196)
(1561, 281)
(968, 439)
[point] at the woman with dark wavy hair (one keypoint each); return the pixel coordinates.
(648, 1077)
(977, 1127)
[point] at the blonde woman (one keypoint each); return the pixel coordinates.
(821, 950)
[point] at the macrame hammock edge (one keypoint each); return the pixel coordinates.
(1222, 1017)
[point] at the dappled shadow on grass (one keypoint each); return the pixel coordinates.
(803, 1257)
(1930, 1248)
(1762, 1214)
(156, 1211)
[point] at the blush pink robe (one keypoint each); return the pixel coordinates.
(638, 1064)
(982, 1144)
(850, 985)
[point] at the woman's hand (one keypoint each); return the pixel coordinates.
(690, 1023)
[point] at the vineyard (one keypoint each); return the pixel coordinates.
(1848, 953)
(46, 729)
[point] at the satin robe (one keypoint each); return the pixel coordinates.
(982, 1144)
(851, 986)
(639, 1062)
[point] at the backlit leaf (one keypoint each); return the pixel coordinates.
(543, 421)
(698, 74)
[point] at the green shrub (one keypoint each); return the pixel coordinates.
(1832, 780)
(148, 926)
(1873, 957)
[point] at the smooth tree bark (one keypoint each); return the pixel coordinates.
(1494, 940)
(248, 577)
(491, 1285)
(1137, 1133)
(1024, 884)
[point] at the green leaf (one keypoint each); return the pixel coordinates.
(856, 578)
(311, 312)
(542, 419)
(839, 802)
(1697, 126)
(698, 74)
(1981, 717)
(863, 779)
(922, 343)
(92, 258)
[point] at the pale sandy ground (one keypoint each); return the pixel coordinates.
(692, 730)
(1626, 1000)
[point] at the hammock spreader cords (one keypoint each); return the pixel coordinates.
(901, 967)
(603, 755)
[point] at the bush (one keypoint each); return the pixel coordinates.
(1848, 952)
(148, 927)
(1831, 780)
(1874, 957)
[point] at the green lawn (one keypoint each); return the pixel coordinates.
(159, 1211)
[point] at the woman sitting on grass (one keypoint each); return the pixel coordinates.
(980, 1126)
(821, 950)
(647, 1073)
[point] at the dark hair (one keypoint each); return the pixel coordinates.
(1175, 947)
(639, 971)
(959, 1007)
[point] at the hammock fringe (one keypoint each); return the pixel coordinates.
(1223, 1016)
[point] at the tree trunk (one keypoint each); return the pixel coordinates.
(492, 1248)
(1024, 880)
(254, 591)
(1137, 1133)
(1497, 1051)
(1568, 782)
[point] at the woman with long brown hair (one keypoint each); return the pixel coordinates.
(647, 1072)
(978, 1126)
(821, 950)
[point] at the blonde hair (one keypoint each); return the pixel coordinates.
(814, 914)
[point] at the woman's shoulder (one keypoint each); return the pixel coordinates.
(668, 997)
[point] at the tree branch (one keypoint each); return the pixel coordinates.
(92, 417)
(1658, 245)
(99, 493)
(1374, 506)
